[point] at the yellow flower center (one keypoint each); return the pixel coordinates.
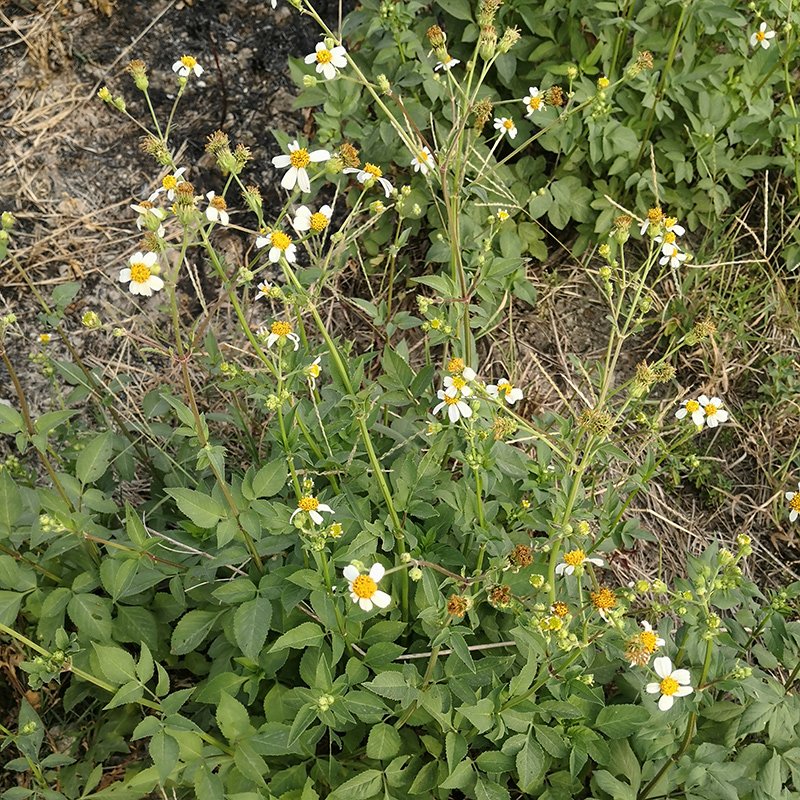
(711, 409)
(44, 338)
(502, 215)
(603, 599)
(336, 530)
(284, 329)
(760, 36)
(188, 62)
(459, 382)
(448, 58)
(324, 56)
(669, 686)
(146, 204)
(314, 370)
(218, 203)
(455, 365)
(139, 272)
(559, 609)
(280, 240)
(373, 170)
(299, 158)
(669, 237)
(451, 401)
(669, 222)
(794, 503)
(654, 215)
(364, 587)
(574, 558)
(508, 124)
(318, 222)
(169, 182)
(692, 406)
(534, 103)
(505, 387)
(603, 83)
(422, 156)
(436, 324)
(304, 503)
(648, 639)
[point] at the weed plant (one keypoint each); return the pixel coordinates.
(303, 566)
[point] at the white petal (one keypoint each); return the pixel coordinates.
(310, 58)
(319, 155)
(722, 415)
(698, 417)
(653, 688)
(712, 422)
(297, 510)
(324, 507)
(377, 572)
(682, 676)
(381, 599)
(281, 161)
(666, 701)
(703, 400)
(792, 516)
(365, 603)
(560, 568)
(316, 516)
(435, 410)
(350, 572)
(683, 691)
(289, 180)
(465, 410)
(662, 666)
(598, 562)
(125, 276)
(155, 283)
(469, 374)
(302, 181)
(452, 412)
(681, 413)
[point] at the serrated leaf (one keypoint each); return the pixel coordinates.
(621, 721)
(164, 751)
(305, 716)
(383, 742)
(232, 718)
(250, 763)
(530, 764)
(203, 510)
(11, 507)
(145, 668)
(192, 629)
(360, 787)
(460, 648)
(489, 790)
(207, 784)
(9, 607)
(270, 479)
(307, 634)
(117, 664)
(94, 459)
(251, 625)
(128, 693)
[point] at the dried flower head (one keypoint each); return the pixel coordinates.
(457, 606)
(216, 141)
(560, 608)
(554, 96)
(500, 595)
(664, 373)
(436, 37)
(702, 330)
(483, 112)
(156, 148)
(509, 38)
(597, 421)
(349, 155)
(520, 556)
(487, 11)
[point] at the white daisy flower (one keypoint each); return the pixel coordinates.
(762, 36)
(310, 505)
(138, 272)
(455, 384)
(674, 683)
(534, 101)
(312, 371)
(150, 217)
(185, 65)
(423, 161)
(650, 637)
(327, 61)
(506, 389)
(456, 407)
(506, 126)
(297, 161)
(502, 215)
(573, 559)
(263, 290)
(217, 209)
(447, 64)
(670, 224)
(794, 504)
(714, 412)
(168, 184)
(694, 408)
(279, 245)
(672, 255)
(370, 172)
(279, 332)
(304, 220)
(364, 588)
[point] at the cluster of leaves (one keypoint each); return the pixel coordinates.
(715, 109)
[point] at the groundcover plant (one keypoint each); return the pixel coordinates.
(319, 559)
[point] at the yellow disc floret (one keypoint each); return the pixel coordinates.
(318, 222)
(760, 36)
(655, 215)
(455, 365)
(139, 272)
(603, 599)
(794, 503)
(711, 409)
(284, 329)
(459, 382)
(299, 158)
(280, 240)
(649, 640)
(189, 62)
(574, 558)
(535, 102)
(692, 406)
(169, 182)
(364, 587)
(376, 172)
(304, 503)
(508, 124)
(324, 56)
(669, 686)
(451, 401)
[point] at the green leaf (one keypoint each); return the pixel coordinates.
(489, 790)
(232, 718)
(9, 607)
(270, 479)
(455, 749)
(383, 742)
(461, 650)
(616, 788)
(619, 722)
(11, 419)
(530, 764)
(164, 751)
(307, 634)
(250, 763)
(91, 615)
(392, 685)
(305, 716)
(135, 527)
(94, 459)
(207, 784)
(145, 667)
(364, 785)
(11, 507)
(65, 293)
(117, 664)
(129, 692)
(203, 510)
(192, 629)
(251, 625)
